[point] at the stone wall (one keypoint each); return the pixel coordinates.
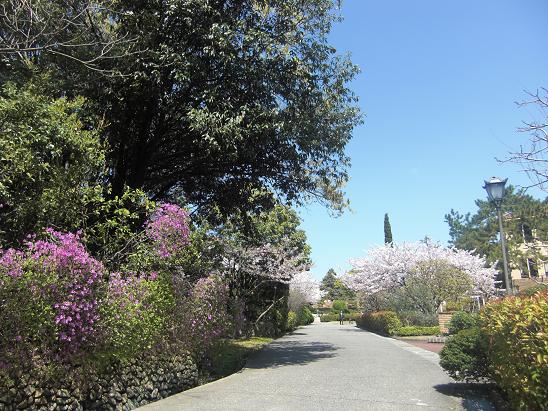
(117, 387)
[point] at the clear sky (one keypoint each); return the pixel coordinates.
(438, 87)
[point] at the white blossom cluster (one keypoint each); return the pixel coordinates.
(388, 266)
(306, 286)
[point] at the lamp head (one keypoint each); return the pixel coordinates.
(495, 189)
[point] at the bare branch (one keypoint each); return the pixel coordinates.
(533, 158)
(83, 31)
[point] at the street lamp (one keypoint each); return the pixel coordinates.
(495, 192)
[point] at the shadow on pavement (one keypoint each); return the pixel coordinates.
(475, 396)
(355, 329)
(291, 353)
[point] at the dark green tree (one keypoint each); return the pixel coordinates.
(525, 219)
(328, 283)
(334, 288)
(213, 100)
(387, 230)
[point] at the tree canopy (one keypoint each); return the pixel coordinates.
(212, 100)
(525, 219)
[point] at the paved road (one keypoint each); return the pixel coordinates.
(330, 367)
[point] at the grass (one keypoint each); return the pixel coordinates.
(229, 356)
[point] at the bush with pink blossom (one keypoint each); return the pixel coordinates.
(202, 316)
(49, 296)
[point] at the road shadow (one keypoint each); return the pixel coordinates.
(281, 353)
(475, 397)
(353, 329)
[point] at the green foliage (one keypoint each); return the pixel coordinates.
(462, 320)
(340, 305)
(134, 316)
(480, 231)
(231, 99)
(535, 289)
(327, 317)
(27, 321)
(305, 316)
(49, 158)
(334, 289)
(417, 318)
(464, 356)
(435, 282)
(408, 331)
(292, 321)
(381, 322)
(387, 230)
(112, 225)
(517, 329)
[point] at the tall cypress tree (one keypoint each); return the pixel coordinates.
(387, 230)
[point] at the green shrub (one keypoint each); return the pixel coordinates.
(340, 305)
(327, 317)
(464, 356)
(291, 321)
(335, 317)
(517, 329)
(415, 330)
(533, 290)
(305, 316)
(462, 320)
(382, 322)
(417, 318)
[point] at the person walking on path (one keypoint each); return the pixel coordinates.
(341, 318)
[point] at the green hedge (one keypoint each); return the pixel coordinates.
(415, 330)
(291, 321)
(517, 331)
(462, 320)
(382, 322)
(303, 317)
(464, 355)
(335, 317)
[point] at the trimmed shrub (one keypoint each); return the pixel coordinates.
(464, 356)
(462, 320)
(415, 330)
(291, 321)
(416, 318)
(382, 322)
(327, 317)
(305, 316)
(517, 329)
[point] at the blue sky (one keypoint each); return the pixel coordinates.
(438, 87)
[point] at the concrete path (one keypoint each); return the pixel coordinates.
(331, 367)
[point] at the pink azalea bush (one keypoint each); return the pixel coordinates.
(168, 229)
(49, 293)
(204, 314)
(59, 303)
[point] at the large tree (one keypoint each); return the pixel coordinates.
(215, 100)
(389, 267)
(525, 220)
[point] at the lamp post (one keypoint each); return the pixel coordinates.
(495, 192)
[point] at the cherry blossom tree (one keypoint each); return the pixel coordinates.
(303, 289)
(387, 267)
